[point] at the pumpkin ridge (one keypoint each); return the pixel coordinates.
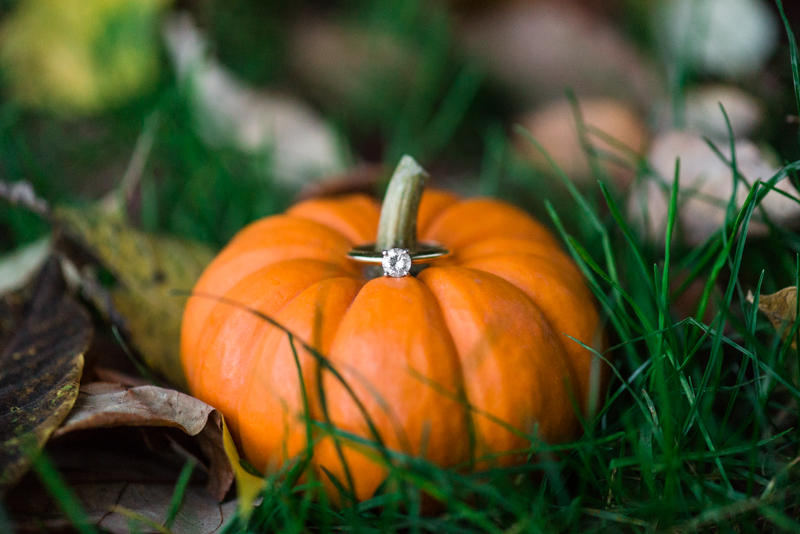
(566, 269)
(474, 220)
(469, 408)
(560, 336)
(255, 247)
(503, 246)
(374, 392)
(209, 298)
(433, 201)
(498, 362)
(554, 294)
(257, 410)
(355, 216)
(293, 232)
(390, 329)
(225, 330)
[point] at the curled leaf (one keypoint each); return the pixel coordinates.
(105, 405)
(780, 308)
(121, 489)
(40, 370)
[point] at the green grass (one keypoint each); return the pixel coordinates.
(698, 428)
(697, 433)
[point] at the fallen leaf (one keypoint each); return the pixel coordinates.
(40, 370)
(731, 38)
(364, 179)
(301, 145)
(706, 184)
(105, 405)
(341, 64)
(111, 473)
(148, 270)
(116, 376)
(780, 308)
(612, 128)
(704, 116)
(536, 49)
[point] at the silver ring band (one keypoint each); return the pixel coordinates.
(424, 253)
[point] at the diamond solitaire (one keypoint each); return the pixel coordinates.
(396, 262)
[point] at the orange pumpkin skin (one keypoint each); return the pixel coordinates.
(473, 344)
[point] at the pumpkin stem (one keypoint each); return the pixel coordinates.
(398, 224)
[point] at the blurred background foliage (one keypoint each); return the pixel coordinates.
(80, 78)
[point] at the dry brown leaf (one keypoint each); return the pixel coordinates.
(612, 127)
(341, 64)
(364, 179)
(706, 183)
(106, 405)
(780, 308)
(536, 49)
(110, 473)
(40, 369)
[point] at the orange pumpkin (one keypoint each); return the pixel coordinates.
(457, 363)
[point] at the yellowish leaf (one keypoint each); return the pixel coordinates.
(780, 308)
(150, 272)
(248, 486)
(79, 56)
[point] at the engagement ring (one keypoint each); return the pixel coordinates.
(396, 262)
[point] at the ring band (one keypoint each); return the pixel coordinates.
(424, 253)
(396, 262)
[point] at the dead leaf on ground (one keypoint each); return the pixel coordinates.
(40, 368)
(780, 308)
(536, 49)
(112, 473)
(148, 270)
(706, 188)
(341, 63)
(106, 405)
(302, 145)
